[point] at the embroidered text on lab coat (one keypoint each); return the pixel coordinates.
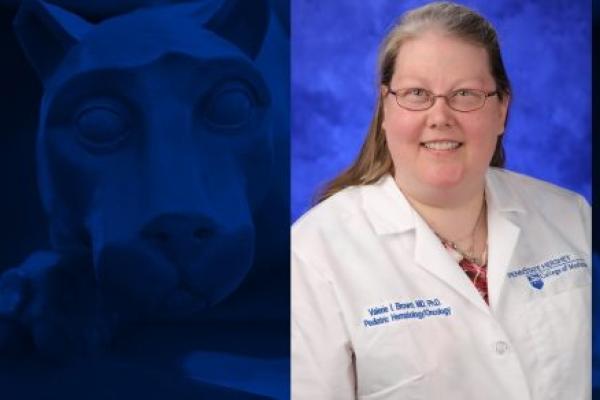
(398, 311)
(537, 274)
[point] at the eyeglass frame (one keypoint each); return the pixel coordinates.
(434, 97)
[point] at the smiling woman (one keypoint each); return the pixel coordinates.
(427, 271)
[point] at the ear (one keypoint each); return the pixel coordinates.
(47, 33)
(504, 106)
(383, 92)
(243, 23)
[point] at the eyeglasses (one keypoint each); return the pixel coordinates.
(463, 100)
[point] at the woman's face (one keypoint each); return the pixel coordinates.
(440, 149)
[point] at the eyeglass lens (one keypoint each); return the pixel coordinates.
(460, 100)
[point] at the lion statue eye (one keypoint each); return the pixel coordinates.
(101, 127)
(230, 105)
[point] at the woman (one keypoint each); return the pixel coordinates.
(427, 271)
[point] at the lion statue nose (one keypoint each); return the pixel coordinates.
(170, 230)
(178, 262)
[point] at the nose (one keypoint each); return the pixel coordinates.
(440, 115)
(167, 229)
(210, 260)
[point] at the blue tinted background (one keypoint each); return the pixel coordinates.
(244, 355)
(547, 51)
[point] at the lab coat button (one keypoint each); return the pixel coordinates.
(501, 347)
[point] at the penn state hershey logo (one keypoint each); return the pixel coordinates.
(535, 280)
(537, 274)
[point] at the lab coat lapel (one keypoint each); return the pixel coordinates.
(503, 234)
(431, 255)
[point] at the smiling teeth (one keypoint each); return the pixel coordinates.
(441, 145)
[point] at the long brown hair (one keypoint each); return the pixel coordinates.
(374, 159)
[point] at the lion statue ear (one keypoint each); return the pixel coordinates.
(243, 23)
(46, 33)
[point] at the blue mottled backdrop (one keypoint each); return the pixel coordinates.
(547, 52)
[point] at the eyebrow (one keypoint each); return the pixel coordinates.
(459, 83)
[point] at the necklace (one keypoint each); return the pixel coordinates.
(469, 254)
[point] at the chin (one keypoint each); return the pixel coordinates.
(446, 177)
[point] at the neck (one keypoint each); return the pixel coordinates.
(454, 222)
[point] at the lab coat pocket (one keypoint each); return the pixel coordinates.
(411, 389)
(392, 364)
(559, 325)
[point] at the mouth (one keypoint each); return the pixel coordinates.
(441, 145)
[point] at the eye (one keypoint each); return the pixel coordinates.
(101, 127)
(230, 105)
(464, 93)
(414, 96)
(417, 92)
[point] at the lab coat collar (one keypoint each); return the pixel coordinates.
(389, 212)
(386, 208)
(501, 196)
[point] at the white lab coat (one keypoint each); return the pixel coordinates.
(380, 310)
